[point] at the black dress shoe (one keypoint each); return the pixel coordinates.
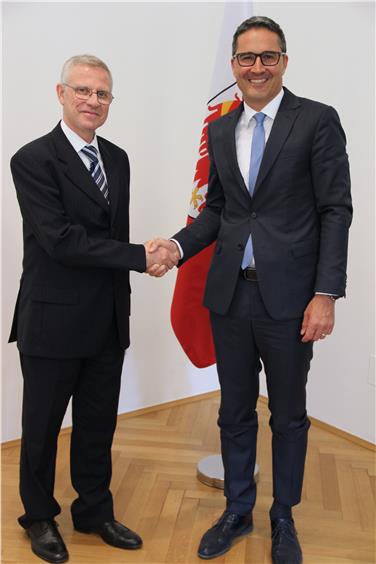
(219, 538)
(46, 541)
(285, 545)
(116, 534)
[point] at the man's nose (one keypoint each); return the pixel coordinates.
(258, 66)
(93, 99)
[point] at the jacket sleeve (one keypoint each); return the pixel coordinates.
(203, 231)
(64, 241)
(331, 184)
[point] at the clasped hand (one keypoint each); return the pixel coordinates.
(161, 256)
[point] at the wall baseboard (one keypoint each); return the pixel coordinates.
(334, 430)
(215, 394)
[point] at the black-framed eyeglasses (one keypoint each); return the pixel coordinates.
(84, 93)
(267, 58)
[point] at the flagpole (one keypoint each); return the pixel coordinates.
(210, 469)
(190, 320)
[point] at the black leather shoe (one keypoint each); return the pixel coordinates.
(116, 534)
(285, 545)
(46, 541)
(219, 538)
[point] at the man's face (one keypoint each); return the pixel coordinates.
(84, 116)
(259, 84)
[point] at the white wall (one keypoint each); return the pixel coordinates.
(157, 117)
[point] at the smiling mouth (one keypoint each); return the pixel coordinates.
(257, 81)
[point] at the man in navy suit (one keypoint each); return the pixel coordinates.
(279, 207)
(71, 321)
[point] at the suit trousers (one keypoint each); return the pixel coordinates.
(94, 386)
(245, 339)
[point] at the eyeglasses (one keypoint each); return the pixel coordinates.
(267, 58)
(84, 93)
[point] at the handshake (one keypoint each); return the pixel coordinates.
(161, 256)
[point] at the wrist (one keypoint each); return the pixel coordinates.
(329, 297)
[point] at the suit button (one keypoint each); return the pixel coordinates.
(240, 247)
(254, 215)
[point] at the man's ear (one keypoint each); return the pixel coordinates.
(60, 93)
(285, 62)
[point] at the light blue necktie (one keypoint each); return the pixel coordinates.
(257, 151)
(95, 169)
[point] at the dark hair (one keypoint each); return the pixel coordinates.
(257, 22)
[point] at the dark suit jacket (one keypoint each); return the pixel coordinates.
(77, 254)
(299, 215)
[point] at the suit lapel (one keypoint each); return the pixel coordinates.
(284, 120)
(112, 177)
(229, 143)
(75, 169)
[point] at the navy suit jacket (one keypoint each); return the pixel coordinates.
(77, 254)
(299, 214)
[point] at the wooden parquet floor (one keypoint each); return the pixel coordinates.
(157, 494)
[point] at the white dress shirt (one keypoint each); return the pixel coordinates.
(78, 143)
(244, 133)
(245, 128)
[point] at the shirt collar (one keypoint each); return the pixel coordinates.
(270, 109)
(75, 140)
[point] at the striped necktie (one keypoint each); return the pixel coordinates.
(95, 170)
(257, 151)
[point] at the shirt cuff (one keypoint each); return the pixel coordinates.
(333, 296)
(179, 247)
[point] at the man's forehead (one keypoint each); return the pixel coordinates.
(84, 70)
(259, 35)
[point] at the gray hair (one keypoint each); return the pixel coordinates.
(89, 60)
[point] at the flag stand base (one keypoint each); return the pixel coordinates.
(210, 471)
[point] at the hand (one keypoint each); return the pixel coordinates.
(161, 255)
(318, 320)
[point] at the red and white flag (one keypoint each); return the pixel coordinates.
(189, 318)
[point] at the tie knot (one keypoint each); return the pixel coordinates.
(259, 118)
(91, 152)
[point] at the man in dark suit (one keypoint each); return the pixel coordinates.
(71, 320)
(279, 207)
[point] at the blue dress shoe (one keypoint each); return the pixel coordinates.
(46, 541)
(219, 538)
(285, 545)
(115, 534)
